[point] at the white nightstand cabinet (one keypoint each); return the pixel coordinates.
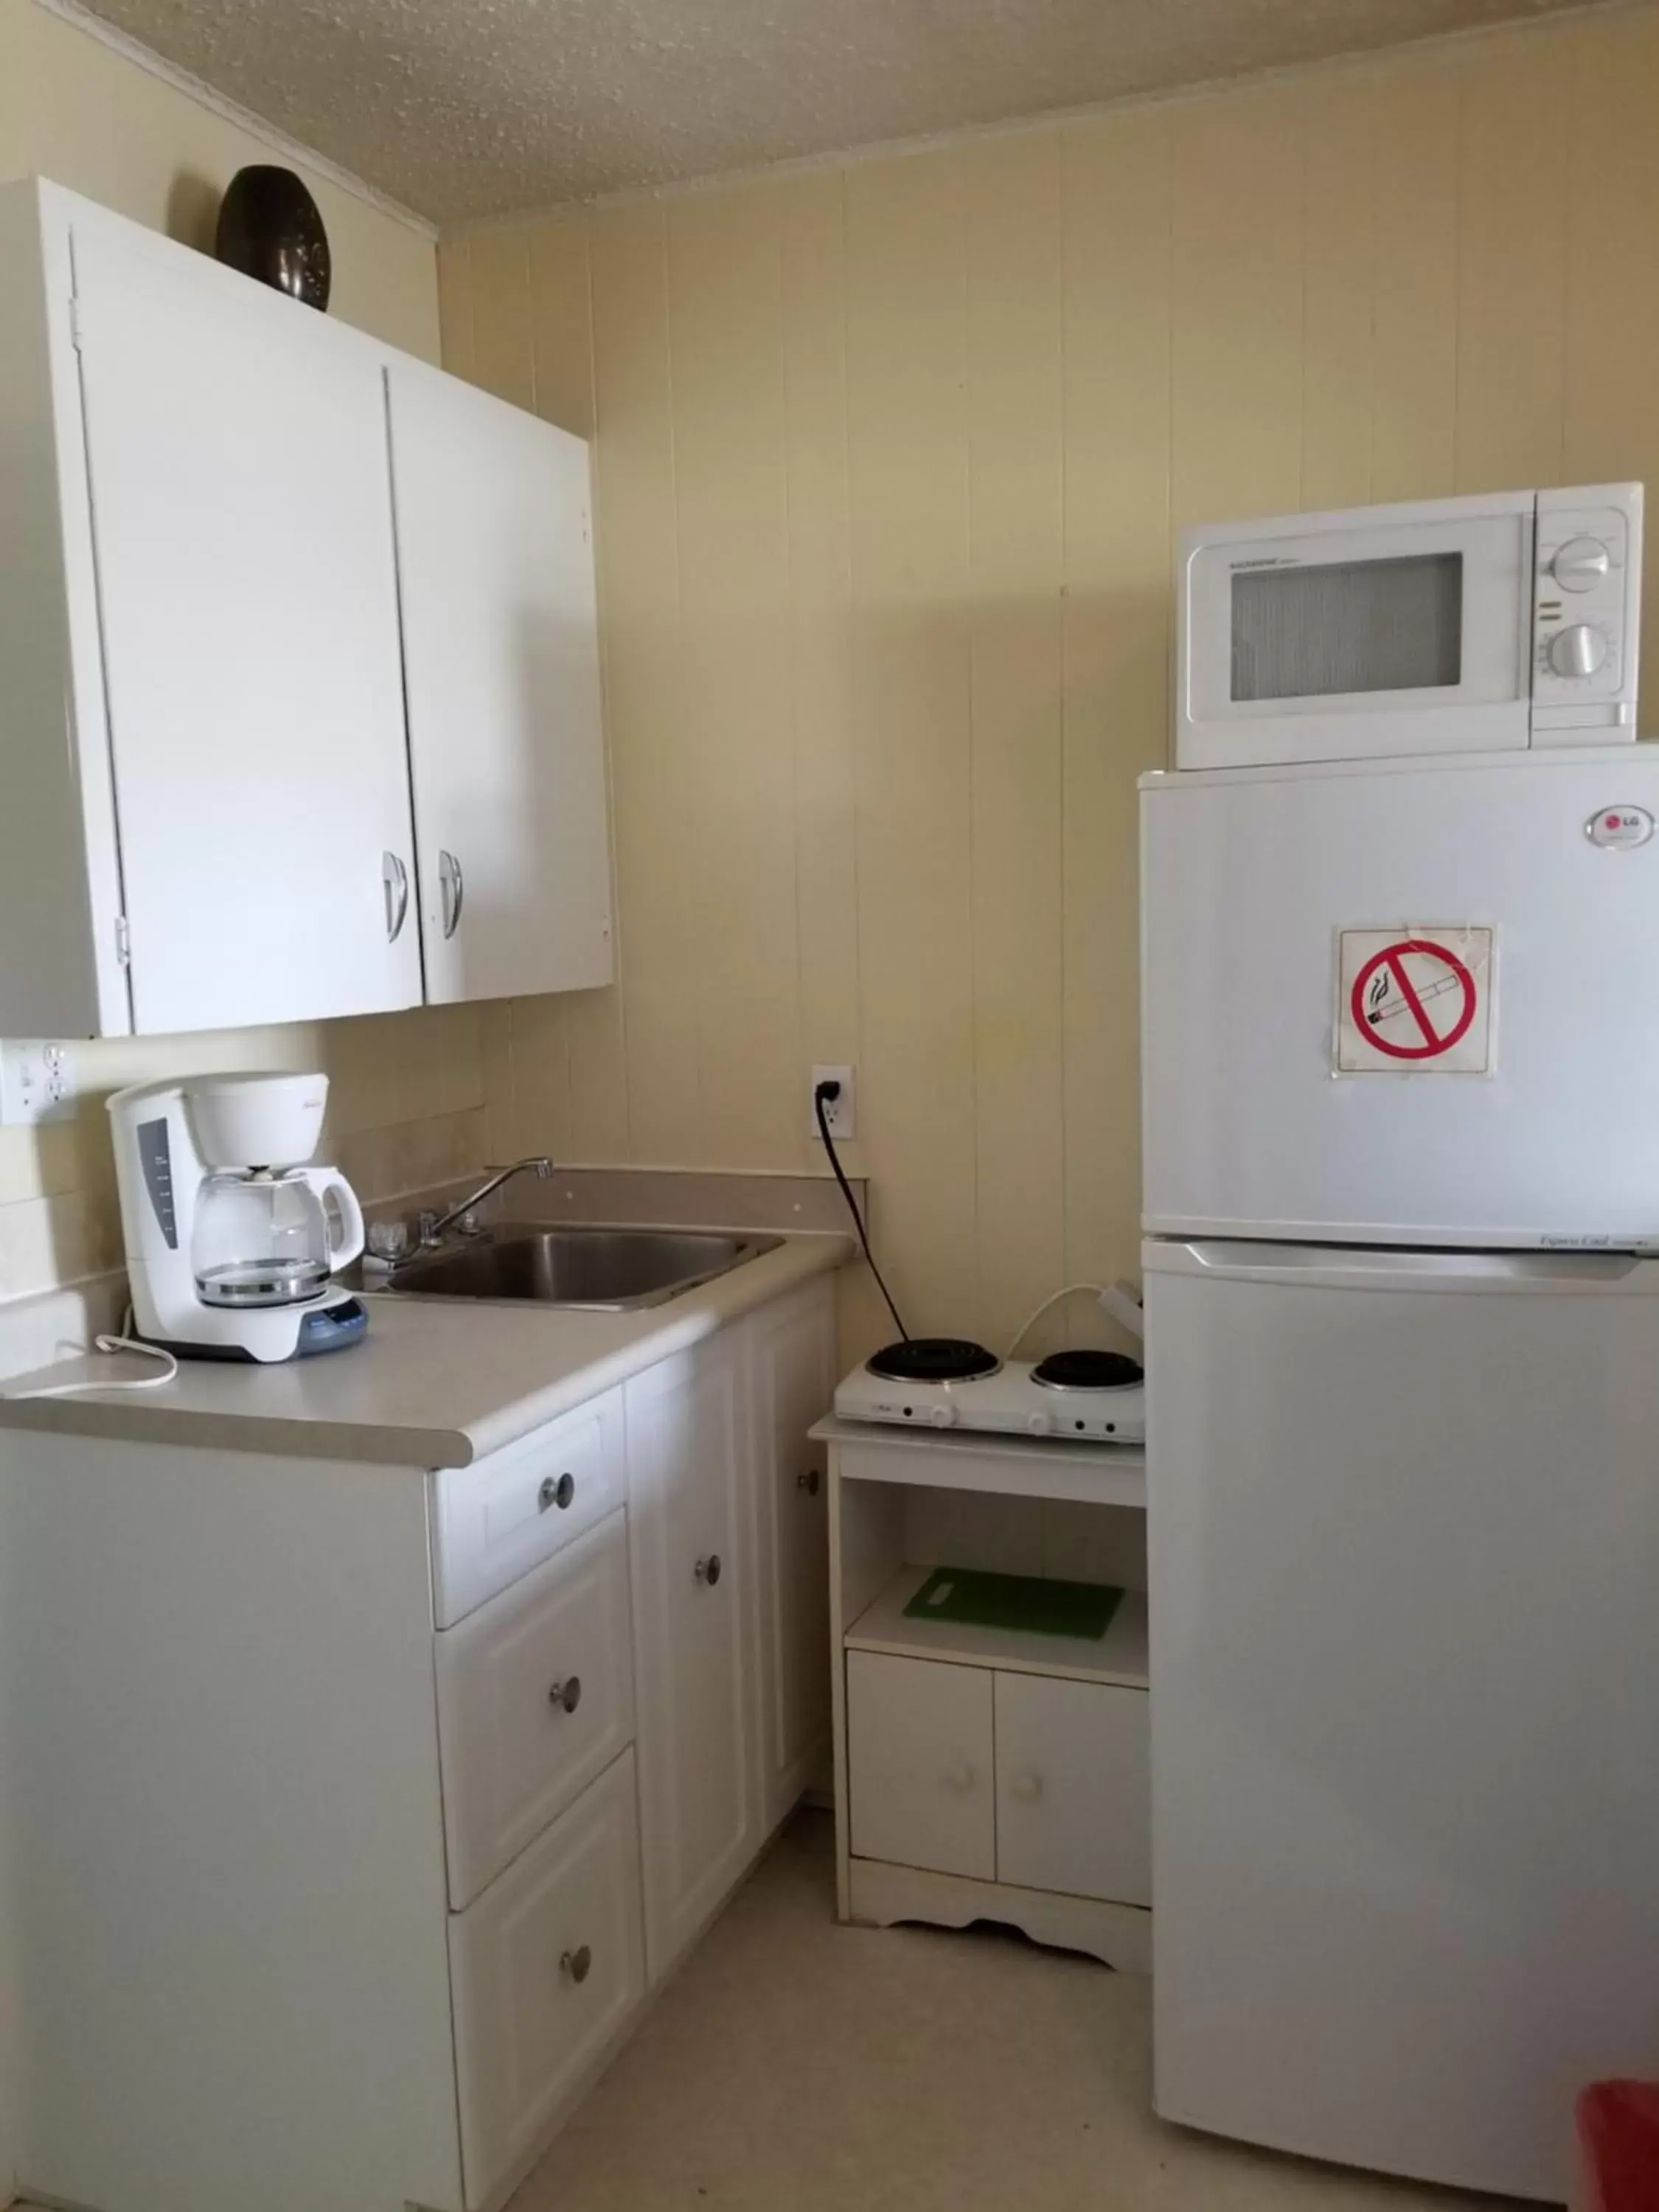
(983, 1773)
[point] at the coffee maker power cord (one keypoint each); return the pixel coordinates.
(113, 1345)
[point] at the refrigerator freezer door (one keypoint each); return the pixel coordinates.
(1404, 1534)
(1536, 1125)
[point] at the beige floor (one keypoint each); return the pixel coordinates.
(797, 2066)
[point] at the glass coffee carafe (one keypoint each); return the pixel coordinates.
(266, 1239)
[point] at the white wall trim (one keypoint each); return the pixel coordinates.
(1401, 55)
(229, 110)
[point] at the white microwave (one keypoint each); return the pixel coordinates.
(1451, 625)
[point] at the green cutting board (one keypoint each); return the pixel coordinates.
(1028, 1604)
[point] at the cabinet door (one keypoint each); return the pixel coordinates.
(535, 1697)
(500, 655)
(1074, 1788)
(247, 593)
(545, 1967)
(918, 1753)
(690, 1570)
(793, 1378)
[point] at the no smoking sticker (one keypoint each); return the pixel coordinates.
(1414, 1001)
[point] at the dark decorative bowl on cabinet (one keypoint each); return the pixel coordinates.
(270, 229)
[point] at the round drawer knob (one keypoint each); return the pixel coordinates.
(560, 1492)
(577, 1963)
(567, 1695)
(960, 1776)
(1027, 1787)
(809, 1481)
(708, 1571)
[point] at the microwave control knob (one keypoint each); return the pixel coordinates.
(1578, 650)
(1581, 564)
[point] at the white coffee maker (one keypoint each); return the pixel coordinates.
(231, 1240)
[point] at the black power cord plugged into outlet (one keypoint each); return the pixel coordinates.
(824, 1095)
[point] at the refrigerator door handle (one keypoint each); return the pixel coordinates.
(1338, 1268)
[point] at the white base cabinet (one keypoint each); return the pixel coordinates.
(279, 1926)
(986, 1773)
(1025, 1779)
(223, 1919)
(692, 1593)
(792, 1379)
(725, 1536)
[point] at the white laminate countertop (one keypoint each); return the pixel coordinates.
(433, 1384)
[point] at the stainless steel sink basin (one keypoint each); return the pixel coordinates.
(609, 1269)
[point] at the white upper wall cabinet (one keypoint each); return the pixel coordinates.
(501, 671)
(61, 917)
(242, 534)
(221, 732)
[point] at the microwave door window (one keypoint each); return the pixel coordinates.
(1334, 630)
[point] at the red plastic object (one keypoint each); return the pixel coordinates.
(1619, 2147)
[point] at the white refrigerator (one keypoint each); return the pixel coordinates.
(1402, 1181)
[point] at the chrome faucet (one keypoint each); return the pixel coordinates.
(433, 1225)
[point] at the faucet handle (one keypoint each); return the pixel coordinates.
(388, 1240)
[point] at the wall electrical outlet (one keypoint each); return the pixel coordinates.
(839, 1112)
(37, 1083)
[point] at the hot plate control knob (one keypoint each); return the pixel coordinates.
(941, 1416)
(1037, 1424)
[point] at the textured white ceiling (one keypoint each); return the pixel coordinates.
(462, 108)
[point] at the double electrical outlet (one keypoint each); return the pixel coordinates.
(37, 1083)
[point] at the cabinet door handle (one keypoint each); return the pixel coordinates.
(708, 1571)
(809, 1481)
(559, 1493)
(576, 1963)
(567, 1694)
(451, 890)
(394, 882)
(1027, 1787)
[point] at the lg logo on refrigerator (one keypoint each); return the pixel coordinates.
(1616, 829)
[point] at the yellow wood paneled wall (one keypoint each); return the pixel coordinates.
(889, 456)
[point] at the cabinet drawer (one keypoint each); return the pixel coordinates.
(920, 1764)
(546, 1967)
(1072, 1788)
(535, 1697)
(495, 1520)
